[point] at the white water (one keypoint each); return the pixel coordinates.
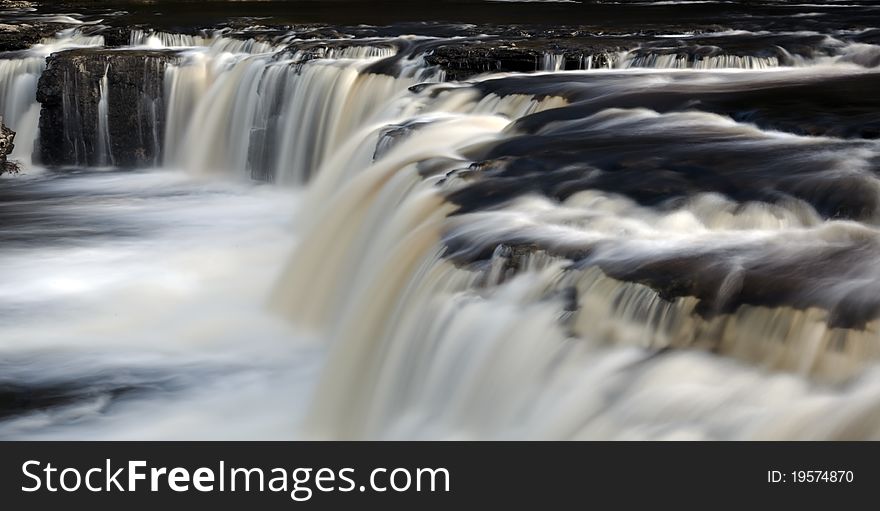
(18, 87)
(105, 154)
(153, 39)
(652, 60)
(151, 281)
(832, 51)
(635, 59)
(240, 113)
(421, 349)
(553, 62)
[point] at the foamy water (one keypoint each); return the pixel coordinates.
(142, 295)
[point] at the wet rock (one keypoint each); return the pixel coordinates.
(7, 137)
(115, 37)
(73, 92)
(20, 36)
(463, 61)
(466, 59)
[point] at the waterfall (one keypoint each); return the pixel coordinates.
(18, 105)
(553, 62)
(19, 74)
(360, 215)
(231, 106)
(837, 52)
(681, 61)
(449, 320)
(152, 39)
(215, 41)
(230, 112)
(105, 155)
(668, 242)
(638, 58)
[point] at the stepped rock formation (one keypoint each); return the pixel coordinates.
(102, 107)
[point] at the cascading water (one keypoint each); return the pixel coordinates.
(553, 62)
(19, 74)
(672, 242)
(706, 51)
(151, 39)
(105, 156)
(232, 111)
(18, 86)
(514, 341)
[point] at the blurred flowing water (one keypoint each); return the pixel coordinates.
(672, 241)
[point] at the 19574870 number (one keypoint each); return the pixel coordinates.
(810, 476)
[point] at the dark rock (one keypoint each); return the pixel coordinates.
(70, 93)
(20, 36)
(115, 37)
(7, 137)
(463, 61)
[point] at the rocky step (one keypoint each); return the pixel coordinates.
(73, 130)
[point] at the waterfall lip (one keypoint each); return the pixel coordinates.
(331, 81)
(696, 89)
